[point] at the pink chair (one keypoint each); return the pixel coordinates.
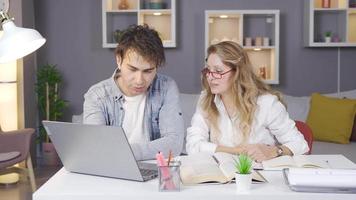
(307, 133)
(14, 148)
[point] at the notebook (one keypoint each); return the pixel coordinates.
(321, 180)
(97, 150)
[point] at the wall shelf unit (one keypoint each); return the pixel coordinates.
(256, 30)
(161, 17)
(335, 16)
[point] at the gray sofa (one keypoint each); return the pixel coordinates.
(298, 108)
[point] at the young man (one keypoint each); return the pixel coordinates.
(137, 98)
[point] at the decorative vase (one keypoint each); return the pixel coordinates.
(335, 38)
(156, 4)
(123, 5)
(258, 41)
(327, 39)
(248, 41)
(243, 182)
(266, 41)
(325, 4)
(50, 156)
(262, 72)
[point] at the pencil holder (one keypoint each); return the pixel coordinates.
(169, 177)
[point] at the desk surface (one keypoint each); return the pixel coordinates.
(72, 186)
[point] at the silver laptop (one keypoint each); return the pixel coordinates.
(97, 150)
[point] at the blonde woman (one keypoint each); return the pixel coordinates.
(238, 113)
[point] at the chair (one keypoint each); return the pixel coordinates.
(307, 133)
(14, 148)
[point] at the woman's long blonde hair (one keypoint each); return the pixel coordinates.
(247, 87)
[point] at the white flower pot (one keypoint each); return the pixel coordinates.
(327, 39)
(243, 182)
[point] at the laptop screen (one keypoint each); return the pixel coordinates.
(94, 149)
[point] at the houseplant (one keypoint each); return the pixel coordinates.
(243, 175)
(50, 105)
(118, 34)
(327, 35)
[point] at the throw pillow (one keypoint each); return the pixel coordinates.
(353, 134)
(331, 119)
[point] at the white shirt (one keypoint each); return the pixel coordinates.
(271, 126)
(133, 123)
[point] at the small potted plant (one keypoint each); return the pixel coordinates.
(117, 35)
(243, 175)
(328, 36)
(51, 107)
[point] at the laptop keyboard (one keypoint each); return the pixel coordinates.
(148, 172)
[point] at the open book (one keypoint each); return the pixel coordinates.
(206, 168)
(301, 161)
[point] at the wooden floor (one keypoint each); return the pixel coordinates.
(22, 189)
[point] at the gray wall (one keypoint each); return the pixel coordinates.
(73, 32)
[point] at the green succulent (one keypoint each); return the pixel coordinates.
(328, 34)
(243, 164)
(118, 35)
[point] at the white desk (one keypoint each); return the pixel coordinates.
(71, 186)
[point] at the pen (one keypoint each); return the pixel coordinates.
(169, 157)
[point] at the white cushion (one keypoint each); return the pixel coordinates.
(188, 103)
(297, 107)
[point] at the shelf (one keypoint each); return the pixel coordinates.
(352, 26)
(258, 47)
(163, 20)
(161, 23)
(122, 11)
(152, 11)
(332, 4)
(264, 58)
(113, 5)
(252, 24)
(338, 19)
(220, 28)
(330, 9)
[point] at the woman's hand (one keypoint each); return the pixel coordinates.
(231, 150)
(260, 152)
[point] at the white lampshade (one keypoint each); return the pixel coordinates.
(18, 42)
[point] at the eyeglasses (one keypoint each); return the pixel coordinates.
(217, 75)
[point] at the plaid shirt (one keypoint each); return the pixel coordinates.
(103, 105)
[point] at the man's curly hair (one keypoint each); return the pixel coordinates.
(143, 40)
